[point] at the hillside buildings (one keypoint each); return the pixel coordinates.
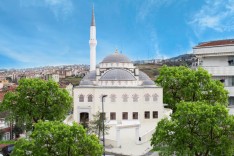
(217, 57)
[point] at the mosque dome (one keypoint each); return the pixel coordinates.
(143, 76)
(148, 83)
(116, 58)
(90, 76)
(117, 75)
(86, 82)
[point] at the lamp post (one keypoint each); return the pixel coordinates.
(103, 124)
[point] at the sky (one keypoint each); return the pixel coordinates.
(36, 33)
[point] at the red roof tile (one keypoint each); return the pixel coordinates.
(215, 43)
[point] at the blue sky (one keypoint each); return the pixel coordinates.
(56, 32)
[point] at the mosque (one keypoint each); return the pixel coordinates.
(132, 103)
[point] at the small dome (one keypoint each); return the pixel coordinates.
(116, 58)
(90, 76)
(86, 82)
(148, 83)
(117, 75)
(143, 76)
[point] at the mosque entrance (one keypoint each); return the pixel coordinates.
(84, 119)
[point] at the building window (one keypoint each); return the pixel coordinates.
(135, 97)
(125, 98)
(232, 80)
(113, 97)
(231, 61)
(81, 98)
(125, 116)
(155, 97)
(135, 115)
(113, 116)
(147, 114)
(155, 114)
(147, 97)
(90, 98)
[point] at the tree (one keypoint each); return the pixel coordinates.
(96, 125)
(36, 99)
(185, 84)
(196, 128)
(54, 138)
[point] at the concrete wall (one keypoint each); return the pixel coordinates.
(119, 106)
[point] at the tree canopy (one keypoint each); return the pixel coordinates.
(196, 128)
(36, 99)
(185, 84)
(96, 125)
(53, 138)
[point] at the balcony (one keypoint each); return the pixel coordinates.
(221, 71)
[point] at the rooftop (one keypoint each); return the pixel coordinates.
(116, 57)
(216, 43)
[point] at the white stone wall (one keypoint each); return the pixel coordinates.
(215, 61)
(119, 106)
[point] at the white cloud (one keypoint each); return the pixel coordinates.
(60, 8)
(155, 45)
(214, 14)
(148, 6)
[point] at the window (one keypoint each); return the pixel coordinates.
(135, 97)
(147, 97)
(155, 97)
(135, 115)
(113, 97)
(232, 80)
(90, 98)
(147, 114)
(125, 116)
(125, 98)
(81, 98)
(113, 116)
(155, 114)
(231, 61)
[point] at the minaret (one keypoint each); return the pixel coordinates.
(92, 43)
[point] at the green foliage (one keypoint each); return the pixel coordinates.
(96, 125)
(36, 99)
(54, 138)
(7, 142)
(196, 128)
(185, 84)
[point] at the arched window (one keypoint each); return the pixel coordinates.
(125, 97)
(155, 97)
(147, 97)
(135, 97)
(81, 98)
(90, 98)
(113, 97)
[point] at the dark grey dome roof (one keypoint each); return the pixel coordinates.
(86, 82)
(117, 75)
(116, 58)
(90, 76)
(143, 76)
(148, 83)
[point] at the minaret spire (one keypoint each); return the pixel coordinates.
(93, 43)
(93, 18)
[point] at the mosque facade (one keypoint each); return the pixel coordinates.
(125, 92)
